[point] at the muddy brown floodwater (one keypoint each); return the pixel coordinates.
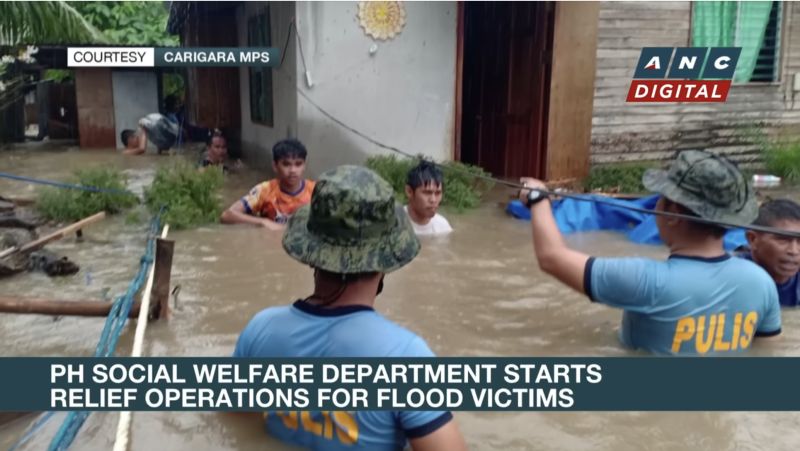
(478, 292)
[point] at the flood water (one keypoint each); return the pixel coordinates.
(477, 292)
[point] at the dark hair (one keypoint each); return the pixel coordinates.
(699, 227)
(288, 148)
(125, 135)
(424, 173)
(214, 133)
(777, 210)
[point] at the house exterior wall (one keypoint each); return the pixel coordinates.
(629, 132)
(402, 95)
(135, 96)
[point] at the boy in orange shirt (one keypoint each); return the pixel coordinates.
(270, 204)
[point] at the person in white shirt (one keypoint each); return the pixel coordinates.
(424, 185)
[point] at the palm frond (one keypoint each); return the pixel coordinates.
(49, 22)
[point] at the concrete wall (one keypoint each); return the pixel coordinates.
(257, 139)
(402, 95)
(135, 96)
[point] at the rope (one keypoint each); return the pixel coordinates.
(112, 330)
(92, 189)
(577, 197)
(124, 425)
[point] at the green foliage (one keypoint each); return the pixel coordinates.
(463, 189)
(783, 160)
(189, 196)
(61, 204)
(173, 85)
(58, 75)
(129, 23)
(781, 155)
(47, 22)
(623, 178)
(135, 217)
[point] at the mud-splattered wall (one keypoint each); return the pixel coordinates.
(95, 102)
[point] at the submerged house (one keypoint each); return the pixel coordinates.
(496, 84)
(518, 88)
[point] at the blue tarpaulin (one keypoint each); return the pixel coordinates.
(583, 216)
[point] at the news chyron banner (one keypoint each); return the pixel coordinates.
(172, 56)
(455, 384)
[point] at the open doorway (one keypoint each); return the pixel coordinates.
(504, 52)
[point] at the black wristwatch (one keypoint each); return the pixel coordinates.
(534, 197)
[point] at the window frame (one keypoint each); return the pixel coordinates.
(262, 21)
(778, 75)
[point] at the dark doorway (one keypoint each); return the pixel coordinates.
(505, 50)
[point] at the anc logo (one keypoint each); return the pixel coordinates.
(683, 74)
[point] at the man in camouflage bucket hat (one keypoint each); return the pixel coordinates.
(352, 233)
(708, 185)
(352, 226)
(700, 301)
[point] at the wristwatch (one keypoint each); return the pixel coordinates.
(534, 197)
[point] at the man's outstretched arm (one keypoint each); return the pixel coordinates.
(552, 252)
(236, 214)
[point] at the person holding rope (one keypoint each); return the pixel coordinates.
(352, 234)
(700, 301)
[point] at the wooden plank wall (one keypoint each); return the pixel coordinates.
(641, 132)
(571, 87)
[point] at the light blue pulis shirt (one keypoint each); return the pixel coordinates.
(687, 305)
(304, 330)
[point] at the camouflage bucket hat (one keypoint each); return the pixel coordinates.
(709, 185)
(352, 225)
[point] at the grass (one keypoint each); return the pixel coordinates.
(623, 178)
(189, 197)
(59, 204)
(462, 189)
(783, 160)
(781, 155)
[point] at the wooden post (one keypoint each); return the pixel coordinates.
(59, 307)
(163, 270)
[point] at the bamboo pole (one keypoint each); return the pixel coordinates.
(59, 307)
(57, 235)
(124, 425)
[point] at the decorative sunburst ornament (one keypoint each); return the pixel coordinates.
(381, 20)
